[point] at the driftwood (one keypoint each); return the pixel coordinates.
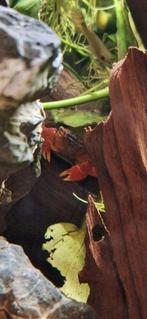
(100, 271)
(118, 148)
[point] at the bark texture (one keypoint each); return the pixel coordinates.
(118, 148)
(100, 271)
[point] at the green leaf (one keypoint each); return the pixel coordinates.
(100, 206)
(27, 7)
(76, 118)
(67, 251)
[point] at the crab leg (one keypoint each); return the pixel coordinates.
(79, 172)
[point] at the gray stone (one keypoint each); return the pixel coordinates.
(30, 58)
(30, 63)
(26, 293)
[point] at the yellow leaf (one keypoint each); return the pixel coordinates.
(67, 251)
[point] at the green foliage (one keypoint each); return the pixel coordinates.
(100, 206)
(82, 46)
(125, 36)
(76, 119)
(56, 13)
(28, 7)
(94, 33)
(76, 40)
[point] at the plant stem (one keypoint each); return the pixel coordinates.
(96, 87)
(76, 100)
(135, 32)
(83, 51)
(121, 29)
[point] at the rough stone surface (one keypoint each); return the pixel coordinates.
(26, 293)
(19, 139)
(30, 62)
(30, 58)
(20, 135)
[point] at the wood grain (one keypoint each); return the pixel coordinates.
(118, 148)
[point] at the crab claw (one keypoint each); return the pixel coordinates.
(46, 150)
(48, 136)
(78, 172)
(47, 155)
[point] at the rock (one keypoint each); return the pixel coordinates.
(30, 62)
(30, 58)
(20, 135)
(26, 293)
(19, 144)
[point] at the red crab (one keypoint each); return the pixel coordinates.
(67, 145)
